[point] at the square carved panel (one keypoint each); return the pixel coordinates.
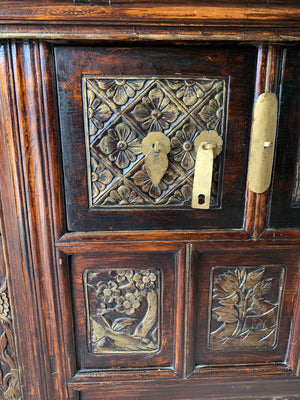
(123, 310)
(120, 112)
(245, 307)
(111, 98)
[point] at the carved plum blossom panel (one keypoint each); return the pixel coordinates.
(123, 314)
(245, 307)
(120, 112)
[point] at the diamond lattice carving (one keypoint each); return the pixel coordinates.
(119, 113)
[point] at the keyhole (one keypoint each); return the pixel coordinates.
(201, 199)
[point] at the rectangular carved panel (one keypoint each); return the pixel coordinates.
(126, 307)
(123, 310)
(120, 112)
(245, 306)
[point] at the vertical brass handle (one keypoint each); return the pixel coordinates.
(262, 143)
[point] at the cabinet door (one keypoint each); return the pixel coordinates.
(111, 98)
(285, 206)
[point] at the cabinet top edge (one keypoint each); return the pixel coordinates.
(139, 22)
(27, 12)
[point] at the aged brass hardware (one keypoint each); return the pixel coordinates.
(209, 145)
(156, 146)
(262, 142)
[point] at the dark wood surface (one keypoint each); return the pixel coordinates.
(233, 62)
(162, 285)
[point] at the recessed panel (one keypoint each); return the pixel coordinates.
(125, 308)
(244, 307)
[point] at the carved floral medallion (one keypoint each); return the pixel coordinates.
(123, 310)
(245, 307)
(120, 112)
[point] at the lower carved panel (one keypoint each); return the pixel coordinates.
(123, 310)
(9, 375)
(245, 306)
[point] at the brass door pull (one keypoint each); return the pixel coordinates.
(262, 143)
(209, 145)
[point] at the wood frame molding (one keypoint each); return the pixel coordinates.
(50, 20)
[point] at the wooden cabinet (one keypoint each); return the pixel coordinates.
(112, 286)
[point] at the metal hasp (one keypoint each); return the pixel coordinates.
(262, 143)
(209, 145)
(156, 146)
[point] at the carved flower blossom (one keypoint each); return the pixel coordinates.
(182, 196)
(124, 276)
(123, 196)
(190, 90)
(4, 305)
(141, 178)
(128, 304)
(100, 177)
(182, 145)
(98, 112)
(107, 292)
(120, 90)
(145, 280)
(121, 145)
(213, 111)
(156, 112)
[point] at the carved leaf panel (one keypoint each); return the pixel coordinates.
(119, 113)
(245, 307)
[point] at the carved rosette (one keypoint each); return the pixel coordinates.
(123, 310)
(119, 113)
(245, 307)
(9, 376)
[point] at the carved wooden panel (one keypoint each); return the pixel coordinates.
(9, 373)
(123, 308)
(245, 307)
(120, 112)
